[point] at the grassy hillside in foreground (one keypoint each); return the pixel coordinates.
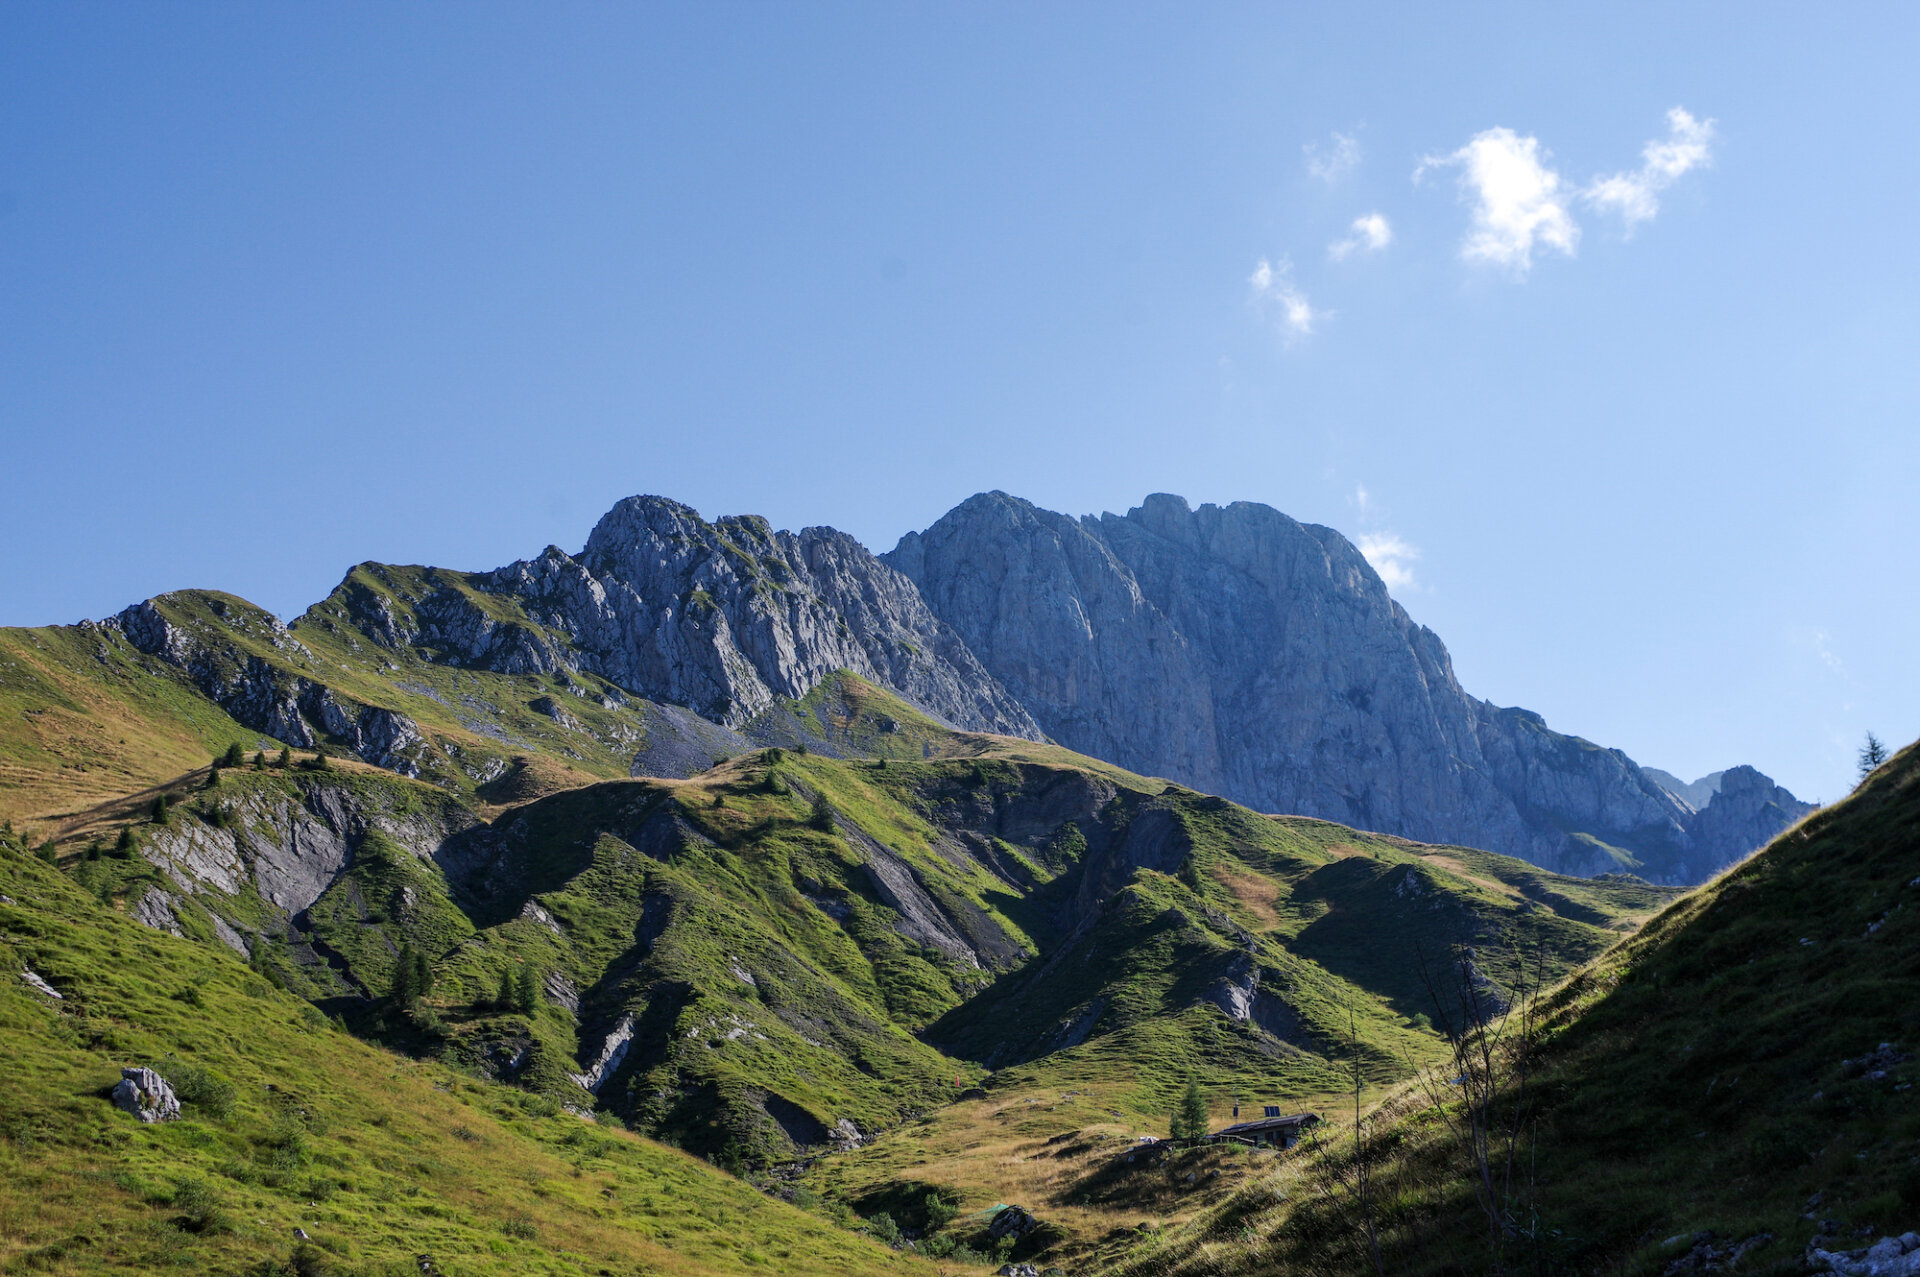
(294, 1124)
(1741, 1068)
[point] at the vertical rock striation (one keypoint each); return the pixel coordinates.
(1244, 653)
(720, 617)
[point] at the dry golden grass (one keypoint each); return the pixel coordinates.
(1454, 865)
(1258, 895)
(1061, 1155)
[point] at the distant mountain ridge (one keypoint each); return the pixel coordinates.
(1231, 649)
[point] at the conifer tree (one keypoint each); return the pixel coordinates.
(526, 989)
(259, 760)
(509, 991)
(1872, 754)
(160, 810)
(1190, 1119)
(286, 758)
(123, 845)
(406, 978)
(822, 815)
(422, 974)
(234, 756)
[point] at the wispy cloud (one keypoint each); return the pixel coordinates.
(1336, 161)
(1391, 557)
(1368, 234)
(1635, 196)
(1518, 202)
(1273, 287)
(1823, 648)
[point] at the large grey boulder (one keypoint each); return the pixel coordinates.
(146, 1095)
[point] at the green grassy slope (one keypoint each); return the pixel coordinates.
(1741, 1068)
(807, 949)
(88, 718)
(378, 1158)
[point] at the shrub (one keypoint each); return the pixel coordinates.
(940, 1212)
(200, 1208)
(519, 1226)
(882, 1226)
(821, 817)
(310, 1261)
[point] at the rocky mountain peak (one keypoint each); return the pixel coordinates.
(1244, 653)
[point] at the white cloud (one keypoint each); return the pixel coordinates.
(1367, 234)
(1339, 159)
(1518, 201)
(1362, 499)
(1273, 285)
(1391, 557)
(1663, 161)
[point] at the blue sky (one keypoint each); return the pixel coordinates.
(283, 288)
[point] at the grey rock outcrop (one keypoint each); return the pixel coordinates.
(722, 618)
(146, 1095)
(35, 981)
(1243, 653)
(270, 700)
(154, 909)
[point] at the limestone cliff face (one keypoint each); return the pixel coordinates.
(1243, 653)
(284, 705)
(719, 617)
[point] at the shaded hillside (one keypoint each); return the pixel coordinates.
(290, 1124)
(1742, 1069)
(1245, 654)
(791, 952)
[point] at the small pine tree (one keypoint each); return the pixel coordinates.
(422, 974)
(1190, 1120)
(48, 854)
(286, 758)
(526, 989)
(161, 810)
(234, 756)
(123, 845)
(1872, 754)
(509, 991)
(93, 850)
(406, 978)
(821, 817)
(259, 760)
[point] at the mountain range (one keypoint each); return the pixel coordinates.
(1231, 649)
